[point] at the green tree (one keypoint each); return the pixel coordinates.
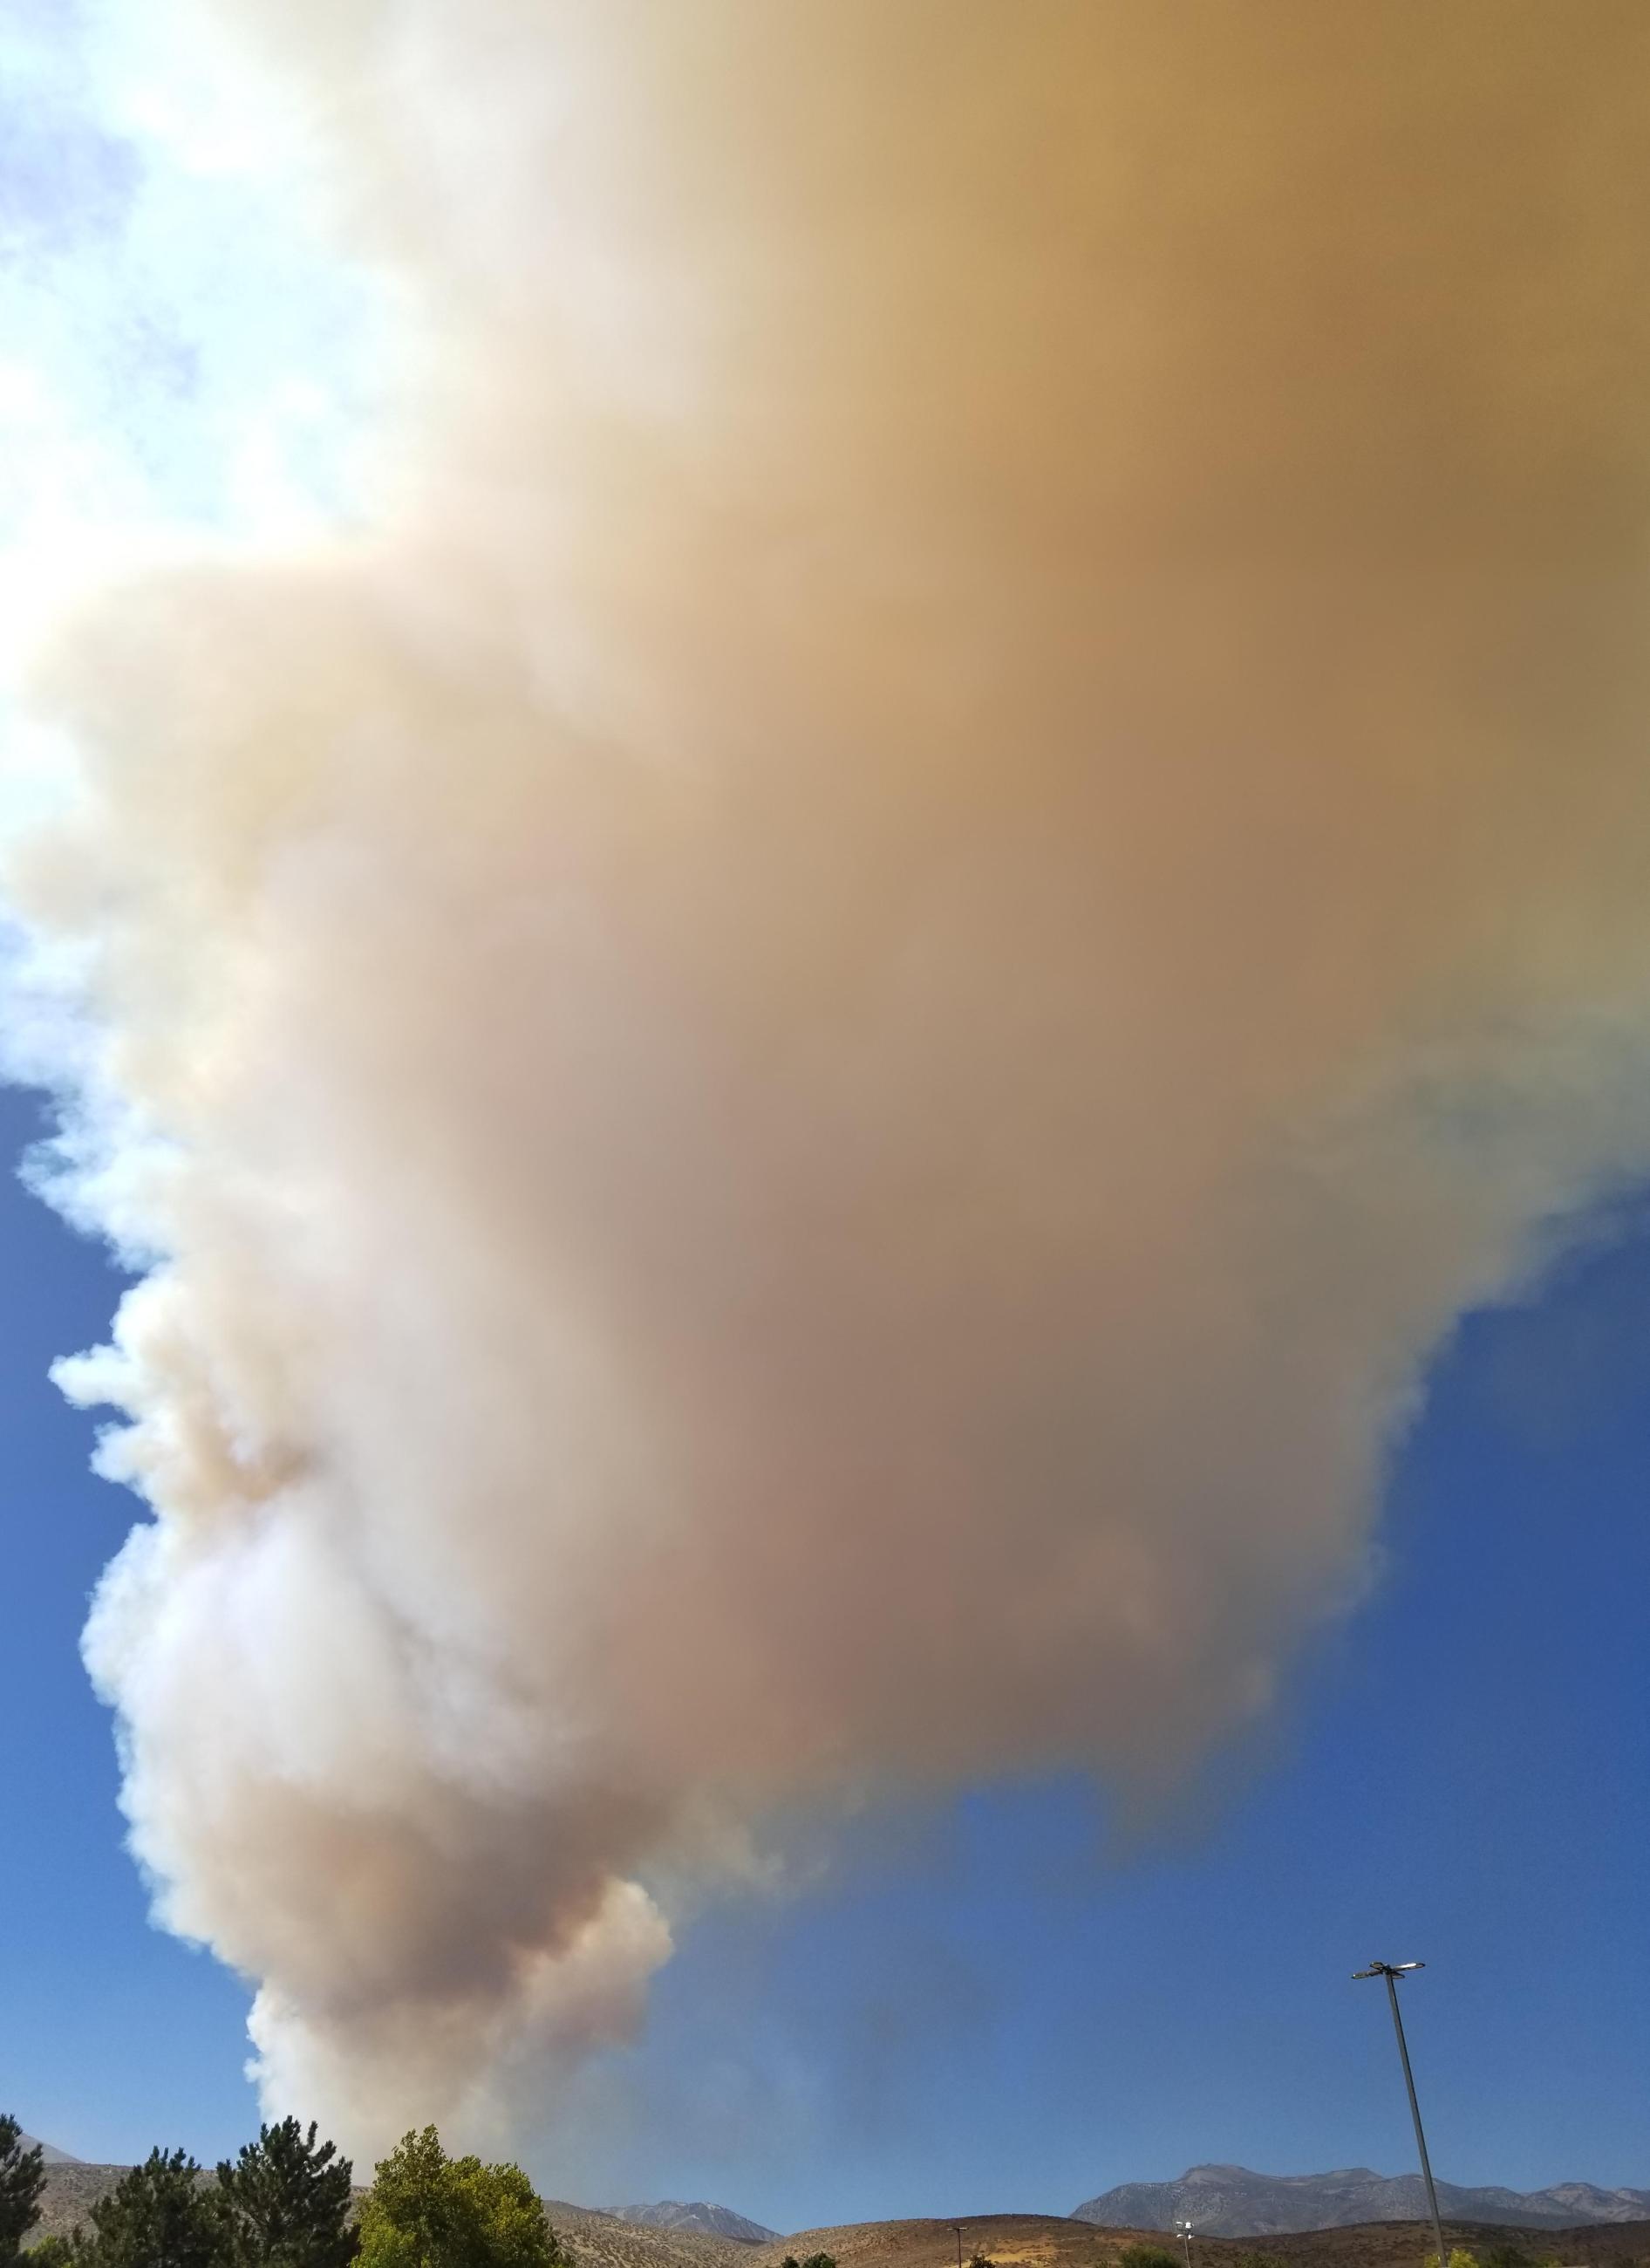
(160, 2215)
(1148, 2255)
(287, 2198)
(22, 2178)
(426, 2210)
(814, 2260)
(56, 2251)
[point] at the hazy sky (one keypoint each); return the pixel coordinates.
(996, 1994)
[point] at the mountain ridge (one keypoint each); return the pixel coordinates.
(49, 2152)
(699, 2219)
(1221, 2200)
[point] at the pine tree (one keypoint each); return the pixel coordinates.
(22, 2178)
(161, 2215)
(56, 2250)
(288, 2201)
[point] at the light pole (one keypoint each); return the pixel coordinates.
(956, 2226)
(1183, 2230)
(1392, 1971)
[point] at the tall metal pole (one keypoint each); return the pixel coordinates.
(1184, 2228)
(1392, 1971)
(1415, 2113)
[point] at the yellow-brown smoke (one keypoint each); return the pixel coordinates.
(809, 1058)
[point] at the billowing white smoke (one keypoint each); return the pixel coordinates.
(807, 1060)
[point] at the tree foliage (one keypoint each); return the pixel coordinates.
(1148, 2255)
(57, 2251)
(160, 2215)
(22, 2178)
(426, 2210)
(287, 2200)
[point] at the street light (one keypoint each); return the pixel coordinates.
(1392, 1971)
(1183, 2230)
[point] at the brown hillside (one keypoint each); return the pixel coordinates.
(1406, 2243)
(596, 2240)
(1037, 2240)
(70, 2194)
(1042, 2241)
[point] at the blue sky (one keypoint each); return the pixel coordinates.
(997, 2005)
(173, 354)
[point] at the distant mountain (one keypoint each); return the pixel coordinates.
(49, 2152)
(1585, 2201)
(1231, 2201)
(698, 2220)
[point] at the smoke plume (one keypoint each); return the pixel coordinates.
(804, 1059)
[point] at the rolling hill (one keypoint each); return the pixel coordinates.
(1042, 2241)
